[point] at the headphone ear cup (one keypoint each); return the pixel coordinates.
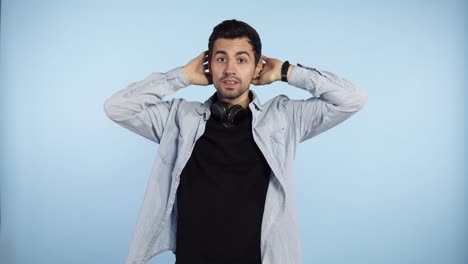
(219, 110)
(236, 114)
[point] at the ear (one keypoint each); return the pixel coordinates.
(258, 67)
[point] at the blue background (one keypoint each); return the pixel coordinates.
(387, 186)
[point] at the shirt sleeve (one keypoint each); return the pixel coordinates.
(333, 100)
(140, 108)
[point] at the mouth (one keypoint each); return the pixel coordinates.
(230, 83)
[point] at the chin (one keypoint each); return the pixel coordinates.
(228, 96)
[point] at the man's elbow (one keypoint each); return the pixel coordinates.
(111, 110)
(361, 99)
(355, 101)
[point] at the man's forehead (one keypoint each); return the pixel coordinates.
(232, 45)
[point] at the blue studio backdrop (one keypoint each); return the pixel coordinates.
(387, 186)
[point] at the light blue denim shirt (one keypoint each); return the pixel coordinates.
(278, 126)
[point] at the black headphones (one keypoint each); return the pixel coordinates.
(223, 113)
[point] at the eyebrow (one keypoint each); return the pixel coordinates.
(237, 53)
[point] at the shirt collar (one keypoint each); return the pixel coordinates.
(204, 108)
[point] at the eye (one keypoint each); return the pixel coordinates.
(242, 60)
(220, 59)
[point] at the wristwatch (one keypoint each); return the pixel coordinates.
(284, 71)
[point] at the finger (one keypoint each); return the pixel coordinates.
(202, 56)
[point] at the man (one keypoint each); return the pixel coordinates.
(221, 189)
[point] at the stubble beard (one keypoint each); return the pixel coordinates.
(231, 95)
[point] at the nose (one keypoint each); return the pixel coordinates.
(230, 68)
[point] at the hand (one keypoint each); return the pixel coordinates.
(194, 70)
(271, 71)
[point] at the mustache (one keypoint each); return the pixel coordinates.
(235, 78)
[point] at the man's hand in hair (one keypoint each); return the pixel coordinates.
(271, 71)
(195, 70)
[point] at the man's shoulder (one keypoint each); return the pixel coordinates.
(276, 101)
(182, 107)
(182, 102)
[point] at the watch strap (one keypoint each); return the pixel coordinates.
(284, 71)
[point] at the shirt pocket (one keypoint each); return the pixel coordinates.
(278, 150)
(278, 144)
(278, 137)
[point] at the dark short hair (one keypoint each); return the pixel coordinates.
(231, 29)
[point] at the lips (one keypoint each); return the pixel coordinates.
(230, 83)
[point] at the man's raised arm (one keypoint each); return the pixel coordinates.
(140, 107)
(333, 100)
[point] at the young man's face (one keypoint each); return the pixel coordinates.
(233, 67)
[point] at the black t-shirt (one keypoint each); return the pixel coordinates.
(221, 197)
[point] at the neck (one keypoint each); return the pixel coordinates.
(244, 102)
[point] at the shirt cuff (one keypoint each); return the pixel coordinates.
(301, 75)
(176, 78)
